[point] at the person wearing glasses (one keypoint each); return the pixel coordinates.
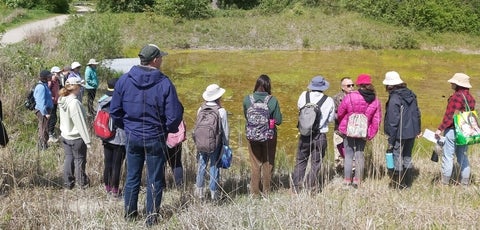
(347, 86)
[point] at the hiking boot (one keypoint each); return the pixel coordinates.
(465, 181)
(151, 220)
(407, 179)
(445, 180)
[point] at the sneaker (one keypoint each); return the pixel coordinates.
(52, 139)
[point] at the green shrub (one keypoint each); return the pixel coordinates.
(91, 36)
(185, 8)
(433, 15)
(273, 6)
(238, 4)
(28, 4)
(404, 40)
(124, 5)
(56, 6)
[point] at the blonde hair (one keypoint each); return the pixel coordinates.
(67, 90)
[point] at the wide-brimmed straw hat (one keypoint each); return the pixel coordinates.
(461, 79)
(392, 78)
(213, 92)
(92, 62)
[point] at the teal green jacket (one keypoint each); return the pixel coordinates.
(91, 79)
(273, 106)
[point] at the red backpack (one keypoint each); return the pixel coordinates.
(103, 124)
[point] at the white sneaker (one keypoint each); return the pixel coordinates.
(214, 195)
(198, 192)
(52, 139)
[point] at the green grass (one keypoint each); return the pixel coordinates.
(11, 18)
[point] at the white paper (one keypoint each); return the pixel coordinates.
(430, 135)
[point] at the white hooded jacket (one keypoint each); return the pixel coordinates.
(72, 119)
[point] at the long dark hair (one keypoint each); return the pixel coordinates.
(367, 87)
(263, 84)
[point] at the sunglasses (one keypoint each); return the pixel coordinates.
(350, 85)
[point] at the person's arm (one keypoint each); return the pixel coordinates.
(455, 102)
(277, 114)
(376, 119)
(332, 111)
(224, 122)
(116, 106)
(78, 120)
(40, 100)
(342, 109)
(173, 108)
(392, 119)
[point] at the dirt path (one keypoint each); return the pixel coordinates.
(18, 34)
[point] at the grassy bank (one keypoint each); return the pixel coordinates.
(12, 18)
(311, 29)
(317, 43)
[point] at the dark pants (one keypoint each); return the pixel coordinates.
(402, 154)
(91, 97)
(74, 165)
(354, 148)
(114, 156)
(174, 159)
(262, 159)
(42, 131)
(309, 147)
(52, 121)
(153, 153)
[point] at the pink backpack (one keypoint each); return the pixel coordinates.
(174, 139)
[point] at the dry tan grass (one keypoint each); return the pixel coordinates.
(33, 199)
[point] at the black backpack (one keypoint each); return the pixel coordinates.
(30, 100)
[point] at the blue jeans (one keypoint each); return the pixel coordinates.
(153, 152)
(203, 159)
(451, 148)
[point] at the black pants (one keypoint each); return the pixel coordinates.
(113, 161)
(309, 147)
(52, 121)
(174, 159)
(91, 97)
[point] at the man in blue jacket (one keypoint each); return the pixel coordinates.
(43, 107)
(145, 104)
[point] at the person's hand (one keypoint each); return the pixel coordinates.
(437, 134)
(419, 135)
(390, 148)
(47, 116)
(89, 146)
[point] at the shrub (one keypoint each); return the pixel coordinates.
(185, 8)
(273, 6)
(125, 5)
(56, 6)
(28, 4)
(404, 40)
(91, 36)
(238, 4)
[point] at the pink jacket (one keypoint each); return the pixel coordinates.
(355, 103)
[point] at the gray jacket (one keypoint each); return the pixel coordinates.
(120, 137)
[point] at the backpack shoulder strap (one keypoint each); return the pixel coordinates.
(307, 97)
(321, 101)
(267, 98)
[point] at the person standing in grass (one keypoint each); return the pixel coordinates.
(113, 148)
(145, 104)
(43, 107)
(347, 86)
(360, 102)
(314, 145)
(75, 72)
(75, 135)
(402, 125)
(460, 83)
(54, 86)
(213, 109)
(91, 85)
(262, 153)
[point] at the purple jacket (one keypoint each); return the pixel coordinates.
(354, 102)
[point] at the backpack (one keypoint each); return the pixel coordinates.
(258, 115)
(357, 125)
(309, 116)
(103, 124)
(30, 100)
(207, 131)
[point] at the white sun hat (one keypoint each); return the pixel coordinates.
(55, 69)
(92, 62)
(75, 65)
(213, 92)
(461, 79)
(392, 78)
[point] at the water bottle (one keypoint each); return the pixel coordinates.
(271, 123)
(389, 159)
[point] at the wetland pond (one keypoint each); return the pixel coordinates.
(425, 72)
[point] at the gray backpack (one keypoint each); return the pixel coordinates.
(309, 116)
(258, 115)
(207, 131)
